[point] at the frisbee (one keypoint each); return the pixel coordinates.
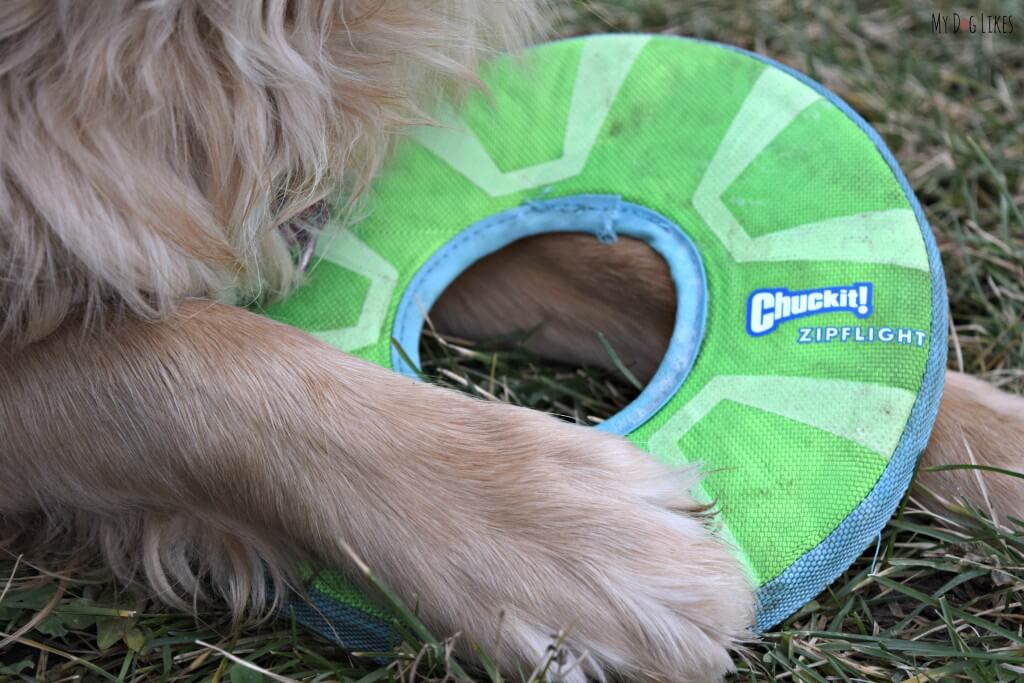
(806, 362)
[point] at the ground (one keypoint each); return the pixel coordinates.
(943, 600)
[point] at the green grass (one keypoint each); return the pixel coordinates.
(943, 600)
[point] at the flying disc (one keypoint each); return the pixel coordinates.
(806, 362)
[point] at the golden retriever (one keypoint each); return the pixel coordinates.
(148, 151)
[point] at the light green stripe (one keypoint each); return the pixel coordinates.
(871, 415)
(347, 251)
(889, 237)
(774, 101)
(604, 64)
(886, 237)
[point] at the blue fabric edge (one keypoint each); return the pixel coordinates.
(340, 623)
(594, 214)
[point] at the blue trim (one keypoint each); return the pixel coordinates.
(603, 216)
(339, 623)
(820, 566)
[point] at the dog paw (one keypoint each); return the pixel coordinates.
(558, 529)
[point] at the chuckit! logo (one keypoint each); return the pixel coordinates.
(769, 308)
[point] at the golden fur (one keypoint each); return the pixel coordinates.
(148, 150)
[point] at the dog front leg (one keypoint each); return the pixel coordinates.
(222, 438)
(977, 425)
(570, 287)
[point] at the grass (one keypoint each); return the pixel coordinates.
(943, 598)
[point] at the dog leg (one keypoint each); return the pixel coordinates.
(575, 286)
(977, 425)
(222, 438)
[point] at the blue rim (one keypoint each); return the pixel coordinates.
(340, 623)
(604, 216)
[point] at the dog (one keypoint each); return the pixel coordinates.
(148, 152)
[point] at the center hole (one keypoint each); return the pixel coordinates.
(557, 322)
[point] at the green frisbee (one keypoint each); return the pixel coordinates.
(806, 363)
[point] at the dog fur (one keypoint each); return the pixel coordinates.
(148, 150)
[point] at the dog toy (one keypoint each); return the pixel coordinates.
(807, 358)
